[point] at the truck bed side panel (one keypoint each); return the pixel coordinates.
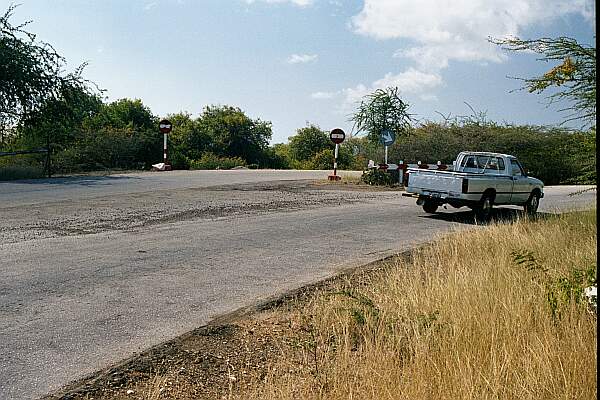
(445, 182)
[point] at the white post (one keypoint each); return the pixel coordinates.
(401, 172)
(385, 162)
(165, 149)
(335, 156)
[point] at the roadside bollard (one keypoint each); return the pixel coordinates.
(402, 172)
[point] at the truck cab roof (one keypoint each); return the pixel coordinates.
(485, 153)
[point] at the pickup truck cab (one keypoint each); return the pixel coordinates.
(478, 180)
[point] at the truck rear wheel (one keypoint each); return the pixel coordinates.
(430, 207)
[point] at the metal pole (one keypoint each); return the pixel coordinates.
(165, 149)
(385, 162)
(335, 156)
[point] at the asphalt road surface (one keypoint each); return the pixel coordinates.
(93, 270)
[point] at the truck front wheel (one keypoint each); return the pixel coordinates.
(430, 207)
(532, 203)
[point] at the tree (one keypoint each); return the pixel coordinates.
(31, 73)
(126, 114)
(59, 119)
(234, 134)
(381, 110)
(308, 142)
(574, 76)
(187, 141)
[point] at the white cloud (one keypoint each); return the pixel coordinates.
(410, 81)
(302, 58)
(301, 3)
(149, 6)
(324, 95)
(458, 30)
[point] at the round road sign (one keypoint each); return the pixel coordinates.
(337, 136)
(387, 138)
(165, 126)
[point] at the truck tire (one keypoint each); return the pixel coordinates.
(430, 207)
(483, 211)
(532, 203)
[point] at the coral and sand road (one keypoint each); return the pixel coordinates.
(97, 269)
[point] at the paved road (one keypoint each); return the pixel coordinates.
(70, 305)
(47, 190)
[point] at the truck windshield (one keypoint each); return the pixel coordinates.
(482, 163)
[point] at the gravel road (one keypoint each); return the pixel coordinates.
(93, 270)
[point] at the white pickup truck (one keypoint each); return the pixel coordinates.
(477, 180)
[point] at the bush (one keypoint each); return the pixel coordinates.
(211, 161)
(379, 177)
(13, 172)
(28, 166)
(556, 156)
(108, 149)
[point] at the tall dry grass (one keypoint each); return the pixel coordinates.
(485, 314)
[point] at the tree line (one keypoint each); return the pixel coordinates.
(41, 105)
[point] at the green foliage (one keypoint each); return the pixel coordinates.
(311, 148)
(109, 149)
(59, 119)
(308, 142)
(566, 290)
(381, 110)
(553, 155)
(212, 161)
(377, 177)
(322, 160)
(87, 135)
(31, 73)
(22, 167)
(233, 134)
(272, 159)
(561, 291)
(123, 114)
(574, 76)
(325, 158)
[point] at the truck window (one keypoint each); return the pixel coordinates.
(516, 168)
(501, 165)
(483, 162)
(469, 162)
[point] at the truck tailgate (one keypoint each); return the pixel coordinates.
(434, 181)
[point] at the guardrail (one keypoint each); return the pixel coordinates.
(33, 151)
(402, 166)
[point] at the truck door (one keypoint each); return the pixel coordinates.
(504, 182)
(521, 189)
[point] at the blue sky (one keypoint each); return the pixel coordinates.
(298, 61)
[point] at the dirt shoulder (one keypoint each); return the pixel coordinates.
(222, 359)
(139, 210)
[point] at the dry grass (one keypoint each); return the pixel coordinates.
(468, 317)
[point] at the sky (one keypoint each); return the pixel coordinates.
(295, 62)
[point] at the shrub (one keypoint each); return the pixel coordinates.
(379, 177)
(211, 161)
(22, 167)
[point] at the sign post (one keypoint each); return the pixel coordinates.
(337, 136)
(387, 138)
(165, 127)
